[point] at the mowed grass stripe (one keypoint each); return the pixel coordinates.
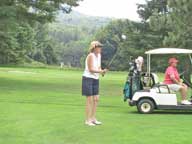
(46, 107)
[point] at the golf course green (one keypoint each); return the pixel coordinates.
(45, 106)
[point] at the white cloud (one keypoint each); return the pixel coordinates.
(110, 8)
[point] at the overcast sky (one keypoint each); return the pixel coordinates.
(110, 8)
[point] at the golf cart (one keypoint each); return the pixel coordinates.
(146, 92)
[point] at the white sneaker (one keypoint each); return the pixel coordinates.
(186, 102)
(97, 122)
(89, 123)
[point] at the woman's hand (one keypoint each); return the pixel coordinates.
(104, 71)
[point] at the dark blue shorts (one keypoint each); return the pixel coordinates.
(90, 86)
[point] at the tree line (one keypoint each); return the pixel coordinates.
(34, 31)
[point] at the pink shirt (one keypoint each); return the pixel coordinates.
(171, 71)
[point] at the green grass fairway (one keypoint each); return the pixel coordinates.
(45, 106)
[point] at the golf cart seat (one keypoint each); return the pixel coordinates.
(152, 82)
(159, 87)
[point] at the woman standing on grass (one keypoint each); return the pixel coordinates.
(90, 82)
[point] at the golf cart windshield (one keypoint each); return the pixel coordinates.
(166, 51)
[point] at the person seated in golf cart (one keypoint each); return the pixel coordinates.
(172, 79)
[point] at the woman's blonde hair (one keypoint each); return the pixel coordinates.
(93, 45)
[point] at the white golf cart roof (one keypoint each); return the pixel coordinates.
(169, 51)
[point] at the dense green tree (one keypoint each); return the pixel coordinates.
(18, 21)
(139, 39)
(146, 10)
(8, 46)
(180, 21)
(171, 20)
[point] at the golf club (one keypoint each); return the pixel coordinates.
(123, 37)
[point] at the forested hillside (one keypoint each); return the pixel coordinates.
(72, 34)
(50, 33)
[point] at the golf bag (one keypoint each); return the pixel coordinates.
(133, 82)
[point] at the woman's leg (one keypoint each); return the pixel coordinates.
(94, 107)
(88, 109)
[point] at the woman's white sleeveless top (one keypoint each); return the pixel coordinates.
(96, 66)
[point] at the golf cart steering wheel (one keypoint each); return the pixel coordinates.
(185, 80)
(181, 75)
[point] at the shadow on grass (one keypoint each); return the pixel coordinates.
(166, 112)
(135, 112)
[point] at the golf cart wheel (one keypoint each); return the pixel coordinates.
(145, 106)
